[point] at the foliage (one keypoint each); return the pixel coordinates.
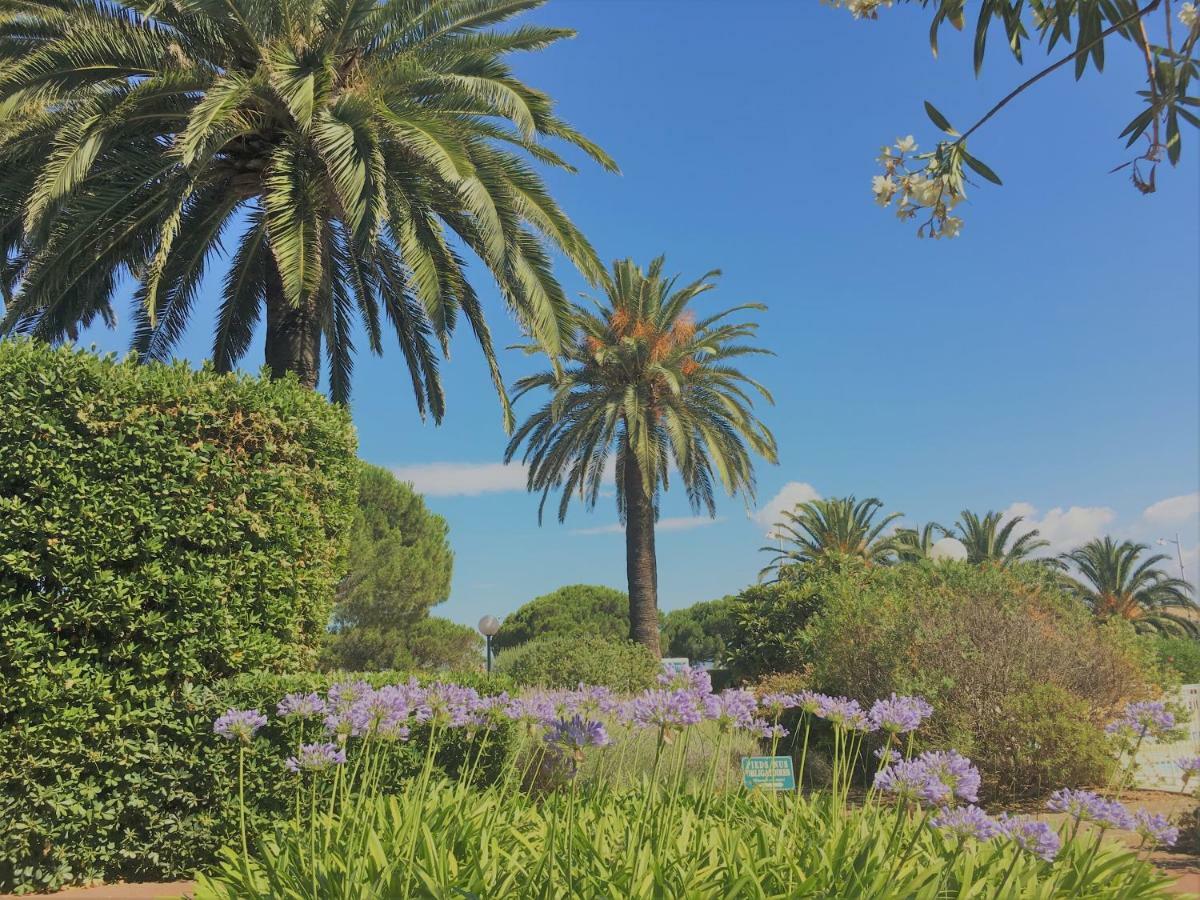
(355, 832)
(913, 544)
(1180, 655)
(987, 541)
(975, 641)
(400, 565)
(428, 644)
(575, 609)
(838, 526)
(400, 559)
(167, 801)
(767, 623)
(699, 632)
(647, 386)
(340, 153)
(568, 660)
(932, 183)
(1118, 582)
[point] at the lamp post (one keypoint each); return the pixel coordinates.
(1162, 542)
(488, 626)
(947, 548)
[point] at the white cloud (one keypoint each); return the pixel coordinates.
(1065, 529)
(1184, 508)
(462, 479)
(789, 495)
(670, 523)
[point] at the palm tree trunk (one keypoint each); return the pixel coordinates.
(293, 333)
(641, 564)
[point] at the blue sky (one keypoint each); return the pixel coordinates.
(1046, 361)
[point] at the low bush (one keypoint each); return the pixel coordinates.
(1180, 656)
(571, 660)
(163, 796)
(580, 610)
(1022, 676)
(765, 629)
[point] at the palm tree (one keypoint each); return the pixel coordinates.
(838, 526)
(914, 544)
(987, 541)
(1118, 583)
(647, 386)
(344, 150)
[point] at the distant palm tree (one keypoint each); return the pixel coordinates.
(1119, 583)
(646, 385)
(987, 540)
(841, 526)
(330, 157)
(914, 544)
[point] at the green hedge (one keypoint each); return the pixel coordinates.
(160, 529)
(167, 799)
(568, 660)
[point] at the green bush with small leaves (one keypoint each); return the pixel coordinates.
(160, 529)
(567, 661)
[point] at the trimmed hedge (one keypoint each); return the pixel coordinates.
(160, 529)
(566, 661)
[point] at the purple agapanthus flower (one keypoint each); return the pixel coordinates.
(576, 733)
(908, 779)
(810, 702)
(732, 710)
(301, 706)
(769, 730)
(775, 704)
(314, 757)
(693, 678)
(843, 712)
(888, 756)
(1088, 806)
(239, 724)
(1031, 836)
(899, 715)
(967, 822)
(666, 709)
(1155, 828)
(1145, 718)
(956, 775)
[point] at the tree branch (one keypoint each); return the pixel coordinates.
(1117, 26)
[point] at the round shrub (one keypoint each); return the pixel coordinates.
(565, 662)
(160, 528)
(576, 609)
(1020, 674)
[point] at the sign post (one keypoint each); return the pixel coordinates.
(768, 773)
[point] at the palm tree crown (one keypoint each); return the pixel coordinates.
(842, 526)
(343, 150)
(914, 544)
(1117, 582)
(987, 541)
(646, 385)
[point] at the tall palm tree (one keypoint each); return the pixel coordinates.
(343, 150)
(839, 526)
(1117, 582)
(988, 541)
(914, 544)
(647, 386)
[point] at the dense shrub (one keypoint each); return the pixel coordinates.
(167, 802)
(160, 528)
(1022, 677)
(577, 609)
(1180, 656)
(430, 644)
(698, 632)
(568, 661)
(765, 633)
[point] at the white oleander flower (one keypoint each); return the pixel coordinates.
(1189, 15)
(884, 189)
(906, 144)
(951, 227)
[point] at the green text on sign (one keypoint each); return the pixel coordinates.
(770, 773)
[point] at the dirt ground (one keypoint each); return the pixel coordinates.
(1185, 867)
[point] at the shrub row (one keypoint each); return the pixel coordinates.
(151, 792)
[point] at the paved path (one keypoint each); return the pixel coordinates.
(147, 891)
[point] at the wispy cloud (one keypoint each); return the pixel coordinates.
(463, 479)
(1184, 508)
(1065, 529)
(670, 523)
(789, 495)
